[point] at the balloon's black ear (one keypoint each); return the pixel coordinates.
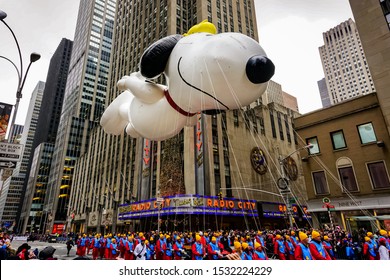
(155, 57)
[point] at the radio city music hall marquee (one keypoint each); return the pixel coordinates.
(188, 204)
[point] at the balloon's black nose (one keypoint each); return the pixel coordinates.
(259, 69)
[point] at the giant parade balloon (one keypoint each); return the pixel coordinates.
(204, 71)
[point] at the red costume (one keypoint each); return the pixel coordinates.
(279, 248)
(317, 254)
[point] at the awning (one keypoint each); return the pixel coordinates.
(370, 218)
(347, 204)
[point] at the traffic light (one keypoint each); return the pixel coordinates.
(220, 196)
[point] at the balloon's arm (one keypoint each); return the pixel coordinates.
(144, 90)
(115, 117)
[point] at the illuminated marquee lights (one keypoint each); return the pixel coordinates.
(189, 204)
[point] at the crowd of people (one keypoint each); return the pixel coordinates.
(299, 244)
(248, 245)
(23, 252)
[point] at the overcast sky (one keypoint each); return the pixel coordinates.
(290, 31)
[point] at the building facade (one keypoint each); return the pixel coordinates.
(11, 194)
(372, 19)
(31, 213)
(344, 63)
(83, 103)
(211, 158)
(349, 164)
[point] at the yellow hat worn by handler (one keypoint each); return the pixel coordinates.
(197, 237)
(382, 232)
(213, 239)
(257, 245)
(366, 238)
(302, 236)
(237, 245)
(369, 234)
(244, 245)
(278, 236)
(315, 234)
(326, 238)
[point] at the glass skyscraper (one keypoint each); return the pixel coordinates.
(83, 102)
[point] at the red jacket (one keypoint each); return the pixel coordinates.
(316, 255)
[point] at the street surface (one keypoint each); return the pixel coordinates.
(60, 252)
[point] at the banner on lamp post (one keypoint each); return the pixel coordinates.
(5, 113)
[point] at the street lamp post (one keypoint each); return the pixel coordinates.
(283, 183)
(21, 80)
(160, 200)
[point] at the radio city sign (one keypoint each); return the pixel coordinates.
(188, 204)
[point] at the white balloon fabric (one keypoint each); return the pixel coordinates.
(204, 73)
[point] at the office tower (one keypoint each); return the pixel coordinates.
(344, 63)
(325, 100)
(373, 20)
(83, 103)
(290, 101)
(11, 195)
(35, 185)
(200, 160)
(275, 94)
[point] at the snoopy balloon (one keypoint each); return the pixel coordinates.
(205, 72)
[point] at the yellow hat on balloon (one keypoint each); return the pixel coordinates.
(382, 232)
(315, 234)
(302, 235)
(204, 26)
